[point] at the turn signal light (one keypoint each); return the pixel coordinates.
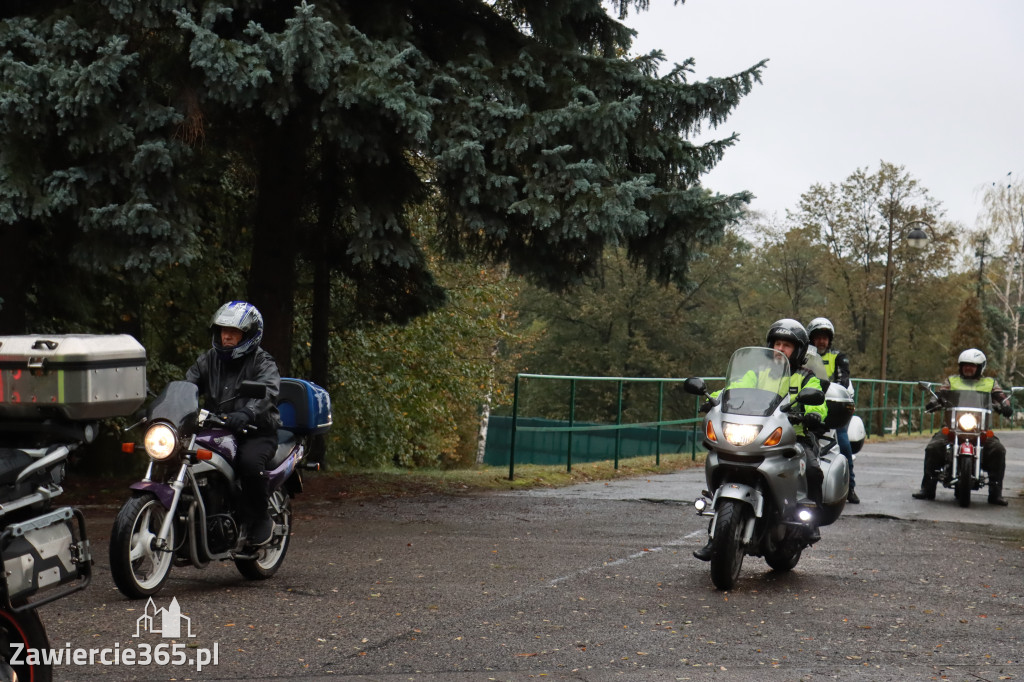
(709, 432)
(775, 438)
(988, 434)
(204, 454)
(128, 447)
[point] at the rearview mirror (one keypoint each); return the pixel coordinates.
(252, 389)
(695, 385)
(810, 396)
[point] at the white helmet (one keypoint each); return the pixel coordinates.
(822, 324)
(972, 356)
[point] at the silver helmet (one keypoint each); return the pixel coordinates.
(822, 324)
(239, 315)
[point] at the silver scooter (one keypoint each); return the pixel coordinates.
(758, 470)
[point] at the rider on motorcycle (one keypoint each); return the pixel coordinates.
(790, 338)
(822, 333)
(972, 366)
(236, 330)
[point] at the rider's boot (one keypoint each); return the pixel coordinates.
(995, 493)
(704, 553)
(256, 495)
(927, 491)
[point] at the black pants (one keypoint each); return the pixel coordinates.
(815, 476)
(993, 460)
(253, 454)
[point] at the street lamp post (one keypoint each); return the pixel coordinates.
(917, 238)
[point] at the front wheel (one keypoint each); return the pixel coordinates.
(27, 631)
(964, 474)
(138, 568)
(727, 548)
(270, 557)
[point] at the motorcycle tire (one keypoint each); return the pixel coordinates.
(139, 571)
(727, 549)
(965, 467)
(27, 629)
(271, 556)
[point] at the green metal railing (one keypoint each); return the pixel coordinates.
(885, 407)
(572, 427)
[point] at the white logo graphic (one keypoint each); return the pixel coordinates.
(164, 622)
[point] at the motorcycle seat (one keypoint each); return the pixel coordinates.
(12, 462)
(284, 446)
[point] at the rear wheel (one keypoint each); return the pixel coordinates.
(25, 630)
(270, 557)
(964, 474)
(727, 548)
(139, 570)
(783, 554)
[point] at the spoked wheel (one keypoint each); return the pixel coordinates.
(783, 554)
(138, 568)
(26, 630)
(963, 481)
(727, 548)
(270, 557)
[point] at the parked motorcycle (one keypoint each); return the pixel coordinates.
(54, 389)
(967, 426)
(760, 504)
(44, 550)
(185, 511)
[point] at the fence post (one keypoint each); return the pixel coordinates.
(572, 421)
(871, 408)
(618, 432)
(661, 416)
(515, 419)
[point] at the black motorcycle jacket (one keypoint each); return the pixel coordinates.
(219, 380)
(838, 366)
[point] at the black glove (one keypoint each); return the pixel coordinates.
(932, 405)
(706, 407)
(812, 420)
(795, 417)
(237, 421)
(1007, 410)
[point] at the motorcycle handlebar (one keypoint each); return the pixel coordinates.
(219, 420)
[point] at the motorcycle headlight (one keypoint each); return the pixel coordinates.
(967, 422)
(161, 441)
(740, 434)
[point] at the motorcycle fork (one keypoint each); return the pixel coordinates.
(178, 485)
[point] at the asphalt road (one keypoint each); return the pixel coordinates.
(593, 583)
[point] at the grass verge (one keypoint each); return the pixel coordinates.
(356, 483)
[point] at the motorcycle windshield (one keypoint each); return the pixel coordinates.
(177, 404)
(972, 399)
(756, 382)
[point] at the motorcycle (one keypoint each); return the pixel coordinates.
(54, 390)
(756, 468)
(967, 427)
(185, 510)
(44, 550)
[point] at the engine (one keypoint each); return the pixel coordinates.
(221, 529)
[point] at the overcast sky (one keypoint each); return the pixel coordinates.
(931, 85)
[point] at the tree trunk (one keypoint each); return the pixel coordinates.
(15, 280)
(327, 211)
(271, 285)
